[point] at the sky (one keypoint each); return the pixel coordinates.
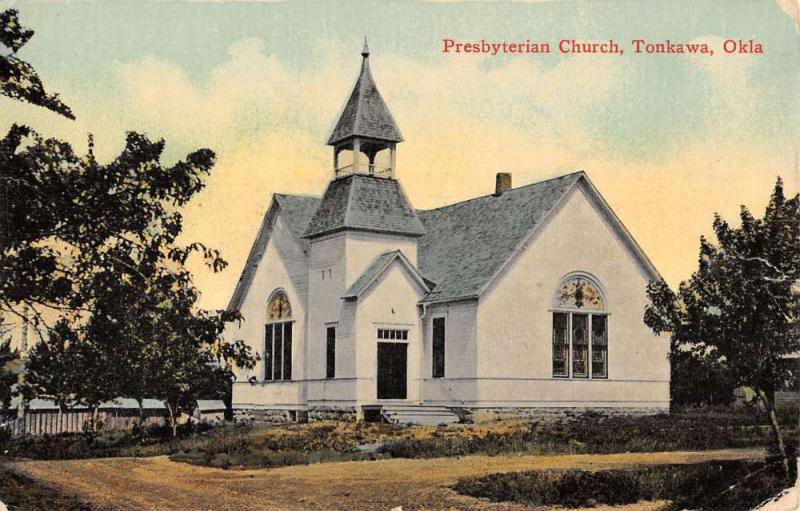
(667, 139)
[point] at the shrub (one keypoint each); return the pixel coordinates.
(727, 485)
(593, 433)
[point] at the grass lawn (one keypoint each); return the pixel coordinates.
(156, 470)
(260, 446)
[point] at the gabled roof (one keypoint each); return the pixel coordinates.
(365, 114)
(366, 203)
(377, 267)
(467, 243)
(296, 211)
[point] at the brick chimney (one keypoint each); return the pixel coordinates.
(502, 183)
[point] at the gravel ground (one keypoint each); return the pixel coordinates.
(158, 483)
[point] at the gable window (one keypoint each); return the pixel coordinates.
(438, 347)
(330, 353)
(278, 338)
(580, 330)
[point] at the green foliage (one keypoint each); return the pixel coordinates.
(741, 307)
(18, 80)
(105, 254)
(244, 445)
(698, 381)
(8, 376)
(96, 246)
(707, 486)
(593, 433)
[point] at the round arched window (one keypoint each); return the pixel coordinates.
(277, 354)
(579, 293)
(278, 308)
(580, 329)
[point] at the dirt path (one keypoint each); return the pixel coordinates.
(158, 483)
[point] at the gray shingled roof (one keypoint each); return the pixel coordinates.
(368, 203)
(365, 114)
(465, 245)
(468, 242)
(297, 212)
(377, 267)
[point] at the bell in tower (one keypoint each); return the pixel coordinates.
(366, 130)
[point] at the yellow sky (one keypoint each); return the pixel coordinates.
(462, 122)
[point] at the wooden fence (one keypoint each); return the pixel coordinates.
(53, 422)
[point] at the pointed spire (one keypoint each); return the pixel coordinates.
(365, 51)
(365, 114)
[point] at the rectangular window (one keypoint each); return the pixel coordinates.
(599, 347)
(438, 347)
(268, 353)
(287, 351)
(330, 353)
(393, 335)
(560, 344)
(580, 346)
(278, 351)
(277, 358)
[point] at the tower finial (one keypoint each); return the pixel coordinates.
(365, 51)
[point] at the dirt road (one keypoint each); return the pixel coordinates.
(158, 483)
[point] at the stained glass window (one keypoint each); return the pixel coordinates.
(579, 293)
(279, 307)
(580, 346)
(560, 344)
(580, 339)
(278, 338)
(599, 346)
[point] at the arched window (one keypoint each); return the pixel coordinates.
(580, 329)
(279, 308)
(278, 338)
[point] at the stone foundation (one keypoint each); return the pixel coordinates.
(466, 415)
(349, 414)
(264, 415)
(554, 414)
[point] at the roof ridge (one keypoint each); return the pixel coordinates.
(349, 202)
(509, 191)
(360, 85)
(303, 195)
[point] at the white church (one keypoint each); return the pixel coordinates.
(529, 299)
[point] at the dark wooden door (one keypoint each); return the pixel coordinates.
(392, 360)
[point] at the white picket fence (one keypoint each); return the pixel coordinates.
(50, 422)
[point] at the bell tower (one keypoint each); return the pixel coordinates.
(365, 137)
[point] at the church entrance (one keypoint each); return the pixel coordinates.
(392, 360)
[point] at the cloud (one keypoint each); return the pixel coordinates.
(268, 122)
(464, 118)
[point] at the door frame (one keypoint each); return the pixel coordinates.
(377, 369)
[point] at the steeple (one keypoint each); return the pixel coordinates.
(365, 126)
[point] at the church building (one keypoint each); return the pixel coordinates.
(527, 299)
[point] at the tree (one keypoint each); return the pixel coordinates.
(18, 80)
(96, 246)
(742, 304)
(698, 380)
(70, 370)
(130, 303)
(8, 374)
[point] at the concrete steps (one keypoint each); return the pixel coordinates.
(419, 415)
